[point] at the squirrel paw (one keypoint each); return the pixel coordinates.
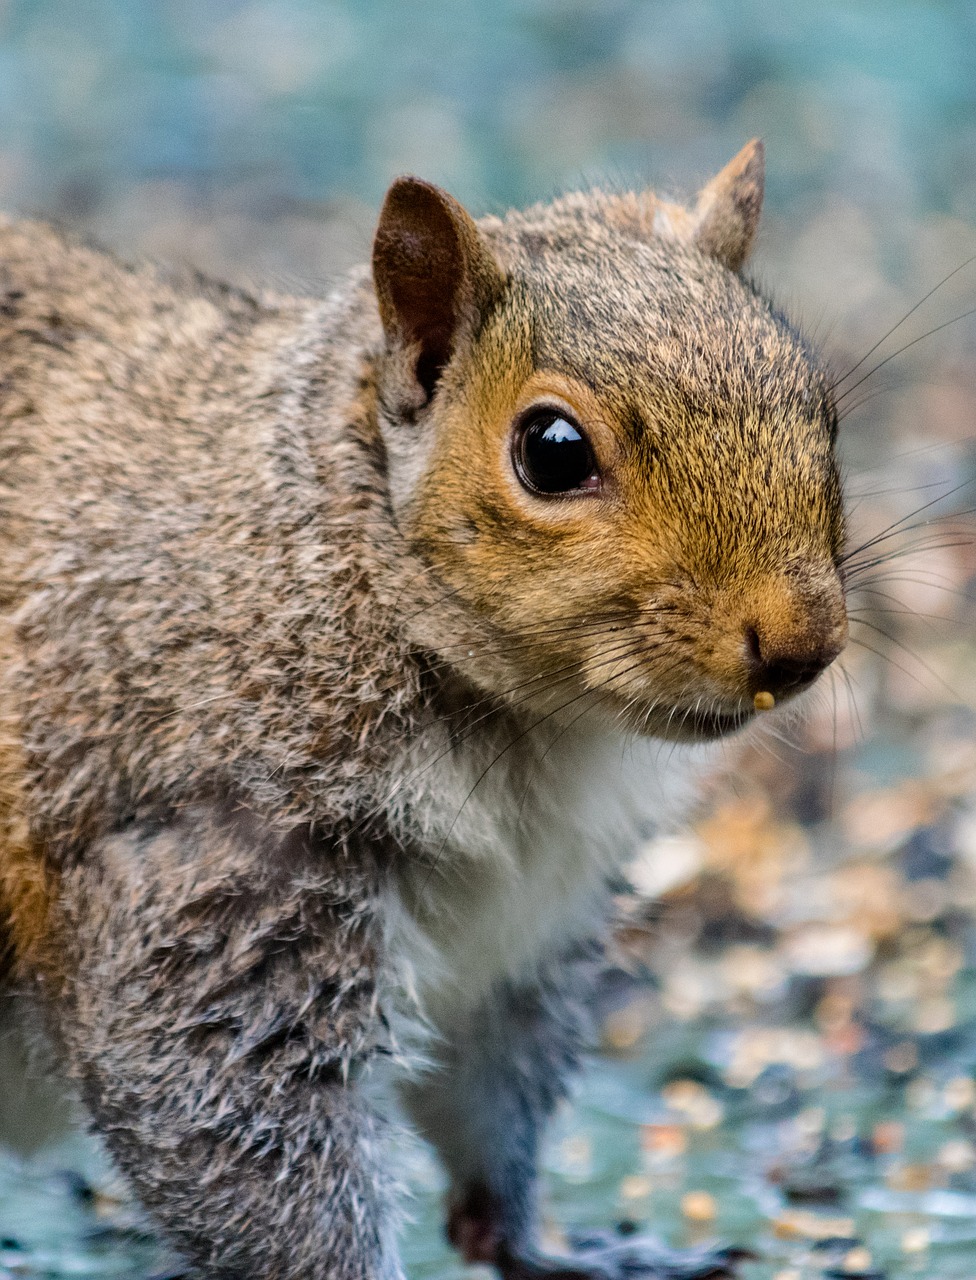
(607, 1256)
(474, 1228)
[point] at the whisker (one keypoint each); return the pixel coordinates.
(908, 314)
(905, 649)
(901, 350)
(886, 657)
(897, 526)
(901, 553)
(853, 407)
(898, 489)
(930, 619)
(850, 682)
(836, 672)
(938, 581)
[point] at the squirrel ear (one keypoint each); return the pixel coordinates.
(726, 214)
(433, 273)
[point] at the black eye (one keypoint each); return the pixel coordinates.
(553, 456)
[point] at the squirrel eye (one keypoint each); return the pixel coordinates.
(552, 455)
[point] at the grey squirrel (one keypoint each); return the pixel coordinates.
(324, 628)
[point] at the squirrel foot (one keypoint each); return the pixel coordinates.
(474, 1229)
(611, 1257)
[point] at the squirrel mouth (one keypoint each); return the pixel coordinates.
(698, 725)
(716, 724)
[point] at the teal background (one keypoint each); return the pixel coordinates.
(189, 127)
(503, 102)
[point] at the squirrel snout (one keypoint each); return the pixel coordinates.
(781, 662)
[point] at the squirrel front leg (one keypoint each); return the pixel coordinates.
(219, 1003)
(500, 1071)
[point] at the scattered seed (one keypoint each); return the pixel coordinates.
(699, 1206)
(857, 1260)
(916, 1240)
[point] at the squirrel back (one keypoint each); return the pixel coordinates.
(182, 549)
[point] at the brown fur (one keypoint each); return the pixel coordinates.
(271, 587)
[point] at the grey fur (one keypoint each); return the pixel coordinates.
(297, 772)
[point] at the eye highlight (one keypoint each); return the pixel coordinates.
(552, 455)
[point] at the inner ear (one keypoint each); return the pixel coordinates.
(433, 274)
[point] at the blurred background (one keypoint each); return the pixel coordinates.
(805, 965)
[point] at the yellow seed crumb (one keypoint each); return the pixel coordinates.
(636, 1187)
(699, 1206)
(915, 1240)
(624, 1027)
(960, 1093)
(577, 1155)
(663, 1142)
(958, 1155)
(764, 701)
(901, 1058)
(693, 1101)
(911, 1177)
(801, 1224)
(857, 1260)
(887, 1137)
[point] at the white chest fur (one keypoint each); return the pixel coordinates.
(521, 846)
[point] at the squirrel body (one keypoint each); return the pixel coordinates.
(188, 502)
(344, 648)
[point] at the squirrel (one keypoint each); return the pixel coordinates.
(344, 648)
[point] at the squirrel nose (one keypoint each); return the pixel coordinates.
(780, 667)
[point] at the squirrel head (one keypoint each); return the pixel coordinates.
(611, 458)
